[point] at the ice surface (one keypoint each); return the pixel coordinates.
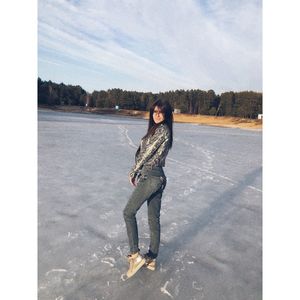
(211, 217)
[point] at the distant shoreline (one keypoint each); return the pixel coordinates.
(231, 122)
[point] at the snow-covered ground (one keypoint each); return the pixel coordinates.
(211, 217)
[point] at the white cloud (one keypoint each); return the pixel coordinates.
(161, 45)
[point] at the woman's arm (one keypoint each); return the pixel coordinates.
(161, 140)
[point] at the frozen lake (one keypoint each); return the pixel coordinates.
(211, 217)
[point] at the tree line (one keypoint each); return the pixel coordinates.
(245, 104)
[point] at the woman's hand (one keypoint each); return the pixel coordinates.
(132, 180)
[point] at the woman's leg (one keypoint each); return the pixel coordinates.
(154, 205)
(142, 192)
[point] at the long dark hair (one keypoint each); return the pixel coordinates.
(166, 109)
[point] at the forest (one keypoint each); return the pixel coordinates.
(243, 104)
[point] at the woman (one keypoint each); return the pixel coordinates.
(149, 180)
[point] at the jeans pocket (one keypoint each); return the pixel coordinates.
(142, 177)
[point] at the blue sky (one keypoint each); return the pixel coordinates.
(154, 45)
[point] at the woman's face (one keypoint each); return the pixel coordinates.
(158, 116)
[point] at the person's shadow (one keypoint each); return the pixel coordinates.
(219, 206)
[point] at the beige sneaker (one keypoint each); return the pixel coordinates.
(150, 262)
(136, 261)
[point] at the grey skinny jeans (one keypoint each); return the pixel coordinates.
(150, 187)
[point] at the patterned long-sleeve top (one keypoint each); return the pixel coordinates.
(153, 150)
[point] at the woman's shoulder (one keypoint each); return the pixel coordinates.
(163, 129)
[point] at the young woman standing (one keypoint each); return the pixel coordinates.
(149, 180)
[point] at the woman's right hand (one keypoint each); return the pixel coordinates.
(132, 180)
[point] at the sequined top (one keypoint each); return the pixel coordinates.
(153, 150)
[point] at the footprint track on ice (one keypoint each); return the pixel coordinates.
(190, 167)
(208, 155)
(126, 137)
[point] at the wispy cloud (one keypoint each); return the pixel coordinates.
(155, 45)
